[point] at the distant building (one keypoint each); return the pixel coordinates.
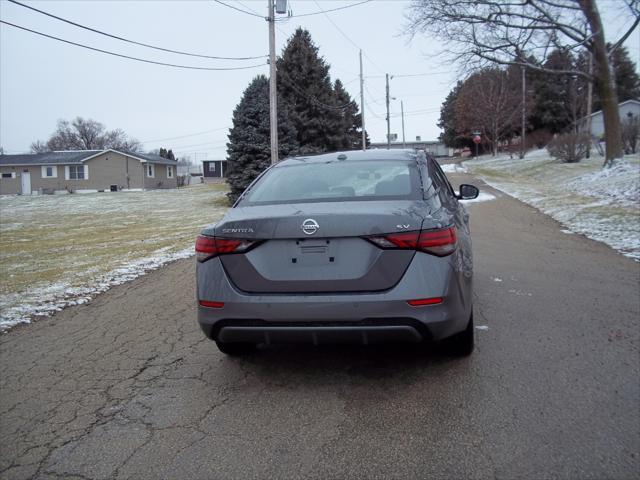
(85, 171)
(627, 108)
(435, 148)
(189, 169)
(214, 168)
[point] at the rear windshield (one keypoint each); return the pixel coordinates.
(337, 181)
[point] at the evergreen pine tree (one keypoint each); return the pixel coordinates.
(248, 150)
(626, 76)
(350, 133)
(452, 135)
(557, 97)
(306, 92)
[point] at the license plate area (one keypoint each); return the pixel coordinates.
(316, 252)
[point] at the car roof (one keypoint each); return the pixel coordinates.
(352, 155)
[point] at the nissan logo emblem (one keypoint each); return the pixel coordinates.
(310, 226)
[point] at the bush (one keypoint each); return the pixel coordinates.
(539, 138)
(569, 147)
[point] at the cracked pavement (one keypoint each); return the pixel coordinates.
(128, 387)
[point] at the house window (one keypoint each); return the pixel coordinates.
(151, 171)
(9, 175)
(76, 172)
(49, 171)
(212, 166)
(169, 171)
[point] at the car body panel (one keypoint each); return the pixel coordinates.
(269, 298)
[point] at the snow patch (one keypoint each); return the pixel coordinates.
(53, 298)
(620, 183)
(454, 168)
(600, 203)
(482, 197)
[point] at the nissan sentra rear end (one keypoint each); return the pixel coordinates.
(327, 250)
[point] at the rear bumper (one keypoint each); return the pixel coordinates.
(335, 318)
(318, 335)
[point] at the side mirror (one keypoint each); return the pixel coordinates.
(468, 192)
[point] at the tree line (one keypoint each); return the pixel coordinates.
(85, 134)
(315, 114)
(486, 33)
(490, 101)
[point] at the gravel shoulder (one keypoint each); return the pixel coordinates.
(127, 386)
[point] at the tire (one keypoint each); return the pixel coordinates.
(236, 349)
(461, 344)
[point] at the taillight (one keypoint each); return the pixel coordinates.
(210, 304)
(440, 242)
(209, 247)
(421, 302)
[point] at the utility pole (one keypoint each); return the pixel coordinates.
(402, 113)
(388, 118)
(364, 133)
(273, 94)
(524, 114)
(589, 104)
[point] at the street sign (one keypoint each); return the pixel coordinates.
(477, 139)
(392, 137)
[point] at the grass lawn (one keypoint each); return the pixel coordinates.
(61, 249)
(603, 204)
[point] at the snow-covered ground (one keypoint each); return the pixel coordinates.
(603, 204)
(62, 250)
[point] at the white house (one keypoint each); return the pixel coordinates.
(627, 108)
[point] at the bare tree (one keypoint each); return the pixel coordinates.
(85, 134)
(489, 101)
(524, 32)
(39, 147)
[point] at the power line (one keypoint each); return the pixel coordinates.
(239, 9)
(331, 10)
(342, 33)
(370, 95)
(410, 75)
(370, 110)
(420, 74)
(302, 93)
(204, 144)
(189, 67)
(131, 41)
(185, 136)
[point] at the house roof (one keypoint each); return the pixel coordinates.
(75, 156)
(150, 157)
(48, 158)
(598, 112)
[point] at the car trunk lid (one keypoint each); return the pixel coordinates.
(319, 248)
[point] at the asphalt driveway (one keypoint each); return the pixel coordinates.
(128, 387)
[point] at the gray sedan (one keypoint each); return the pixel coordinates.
(359, 247)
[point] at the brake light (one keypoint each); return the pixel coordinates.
(421, 302)
(207, 303)
(440, 242)
(208, 247)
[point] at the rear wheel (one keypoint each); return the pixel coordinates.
(236, 348)
(461, 344)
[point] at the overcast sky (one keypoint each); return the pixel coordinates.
(42, 80)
